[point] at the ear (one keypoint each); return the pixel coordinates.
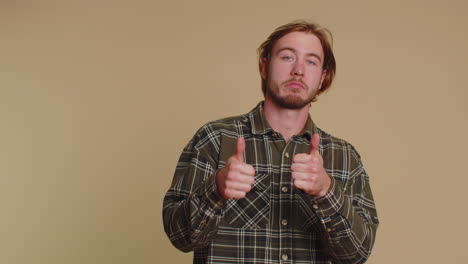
(263, 68)
(324, 74)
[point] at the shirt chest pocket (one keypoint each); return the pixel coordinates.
(253, 211)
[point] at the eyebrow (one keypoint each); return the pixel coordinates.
(295, 51)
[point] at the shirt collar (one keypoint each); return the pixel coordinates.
(258, 121)
(260, 125)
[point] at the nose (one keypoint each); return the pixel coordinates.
(298, 69)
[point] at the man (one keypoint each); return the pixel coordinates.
(269, 186)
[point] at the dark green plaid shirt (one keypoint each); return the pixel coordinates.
(275, 222)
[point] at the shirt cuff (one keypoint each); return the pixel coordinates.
(331, 202)
(210, 195)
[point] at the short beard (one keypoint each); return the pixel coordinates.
(290, 101)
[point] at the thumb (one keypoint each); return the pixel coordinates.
(240, 147)
(314, 143)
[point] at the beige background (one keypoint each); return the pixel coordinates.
(97, 99)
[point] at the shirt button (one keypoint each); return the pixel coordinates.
(284, 257)
(315, 206)
(284, 189)
(286, 155)
(284, 222)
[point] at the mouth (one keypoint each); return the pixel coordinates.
(295, 85)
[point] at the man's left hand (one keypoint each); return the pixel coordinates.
(308, 172)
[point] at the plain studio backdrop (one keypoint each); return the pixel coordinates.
(98, 98)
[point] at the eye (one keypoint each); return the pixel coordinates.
(311, 62)
(287, 58)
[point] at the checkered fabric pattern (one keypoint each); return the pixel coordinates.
(275, 222)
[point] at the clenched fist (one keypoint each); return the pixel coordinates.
(308, 172)
(235, 180)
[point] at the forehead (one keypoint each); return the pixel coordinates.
(302, 42)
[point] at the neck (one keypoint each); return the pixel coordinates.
(287, 122)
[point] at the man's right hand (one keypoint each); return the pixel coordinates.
(235, 180)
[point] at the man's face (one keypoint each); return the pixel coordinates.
(294, 72)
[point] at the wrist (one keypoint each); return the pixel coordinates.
(326, 188)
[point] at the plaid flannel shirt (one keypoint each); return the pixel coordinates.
(275, 222)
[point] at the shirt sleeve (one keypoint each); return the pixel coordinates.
(348, 216)
(192, 207)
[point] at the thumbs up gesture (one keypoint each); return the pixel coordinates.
(308, 172)
(235, 180)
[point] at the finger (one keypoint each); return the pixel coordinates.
(241, 183)
(240, 147)
(247, 169)
(233, 194)
(299, 176)
(299, 167)
(236, 174)
(302, 158)
(242, 187)
(240, 178)
(314, 143)
(247, 179)
(300, 184)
